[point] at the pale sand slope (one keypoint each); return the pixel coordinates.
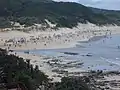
(51, 39)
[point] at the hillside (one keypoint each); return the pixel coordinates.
(64, 14)
(111, 14)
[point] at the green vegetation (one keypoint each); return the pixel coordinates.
(74, 83)
(113, 16)
(65, 14)
(14, 70)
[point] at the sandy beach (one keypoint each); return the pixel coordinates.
(52, 39)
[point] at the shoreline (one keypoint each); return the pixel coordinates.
(92, 39)
(63, 38)
(48, 65)
(99, 79)
(51, 40)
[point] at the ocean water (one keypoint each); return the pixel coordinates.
(99, 53)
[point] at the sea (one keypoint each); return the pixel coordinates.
(99, 53)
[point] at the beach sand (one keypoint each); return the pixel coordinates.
(51, 39)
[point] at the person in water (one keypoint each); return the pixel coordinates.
(118, 46)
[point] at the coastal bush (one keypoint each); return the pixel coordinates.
(72, 83)
(14, 70)
(64, 14)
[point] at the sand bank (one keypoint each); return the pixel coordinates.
(53, 39)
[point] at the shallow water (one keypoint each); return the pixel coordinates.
(105, 53)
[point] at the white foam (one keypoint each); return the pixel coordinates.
(110, 61)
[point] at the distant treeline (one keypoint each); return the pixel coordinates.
(64, 14)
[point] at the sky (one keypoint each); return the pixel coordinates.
(104, 4)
